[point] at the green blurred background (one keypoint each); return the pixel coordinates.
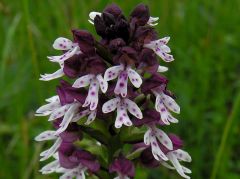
(205, 37)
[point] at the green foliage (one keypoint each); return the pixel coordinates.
(205, 77)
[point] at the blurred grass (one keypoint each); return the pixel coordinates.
(205, 77)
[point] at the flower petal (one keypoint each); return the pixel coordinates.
(48, 153)
(69, 174)
(91, 117)
(50, 168)
(183, 155)
(59, 112)
(162, 110)
(121, 86)
(83, 81)
(133, 108)
(165, 56)
(52, 99)
(156, 151)
(92, 97)
(57, 74)
(177, 165)
(147, 137)
(46, 135)
(170, 103)
(103, 84)
(122, 117)
(110, 105)
(164, 139)
(112, 72)
(65, 56)
(62, 43)
(93, 14)
(152, 21)
(135, 78)
(172, 119)
(162, 69)
(68, 118)
(80, 115)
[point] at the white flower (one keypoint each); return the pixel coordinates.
(69, 112)
(123, 75)
(152, 21)
(54, 166)
(92, 16)
(69, 48)
(95, 82)
(152, 137)
(176, 156)
(49, 135)
(161, 49)
(162, 69)
(122, 105)
(163, 104)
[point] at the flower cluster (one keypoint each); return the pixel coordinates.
(119, 96)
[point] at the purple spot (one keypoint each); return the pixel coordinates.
(154, 143)
(120, 119)
(163, 109)
(121, 84)
(133, 109)
(165, 142)
(92, 93)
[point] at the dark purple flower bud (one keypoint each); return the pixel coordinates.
(67, 93)
(64, 152)
(154, 81)
(74, 66)
(148, 61)
(64, 96)
(123, 166)
(70, 157)
(122, 28)
(100, 26)
(95, 65)
(115, 44)
(109, 20)
(126, 55)
(140, 15)
(70, 136)
(113, 9)
(86, 159)
(148, 57)
(85, 41)
(143, 35)
(150, 116)
(177, 142)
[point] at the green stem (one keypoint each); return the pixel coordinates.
(225, 135)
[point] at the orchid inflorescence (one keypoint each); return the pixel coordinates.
(117, 104)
